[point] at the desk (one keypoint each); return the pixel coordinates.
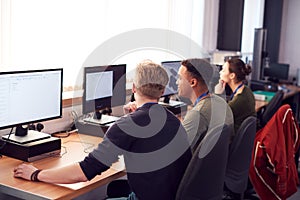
(72, 151)
(259, 105)
(293, 90)
(291, 97)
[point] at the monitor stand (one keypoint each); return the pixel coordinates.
(168, 102)
(176, 107)
(172, 103)
(100, 118)
(31, 136)
(166, 99)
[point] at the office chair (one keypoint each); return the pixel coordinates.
(204, 176)
(118, 188)
(269, 110)
(237, 170)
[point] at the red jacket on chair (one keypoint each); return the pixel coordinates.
(273, 170)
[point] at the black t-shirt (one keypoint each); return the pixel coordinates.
(155, 149)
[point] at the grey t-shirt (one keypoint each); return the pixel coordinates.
(210, 112)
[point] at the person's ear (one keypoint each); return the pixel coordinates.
(232, 76)
(193, 82)
(133, 88)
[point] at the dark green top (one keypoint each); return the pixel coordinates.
(242, 106)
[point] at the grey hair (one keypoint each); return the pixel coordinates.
(150, 78)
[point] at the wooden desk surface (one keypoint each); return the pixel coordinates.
(73, 150)
(259, 105)
(293, 90)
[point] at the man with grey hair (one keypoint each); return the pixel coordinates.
(152, 140)
(208, 110)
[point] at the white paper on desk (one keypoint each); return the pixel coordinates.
(260, 97)
(120, 165)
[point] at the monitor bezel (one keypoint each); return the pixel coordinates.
(42, 119)
(278, 76)
(118, 81)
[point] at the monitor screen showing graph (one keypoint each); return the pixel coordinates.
(172, 68)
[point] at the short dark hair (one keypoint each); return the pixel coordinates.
(199, 69)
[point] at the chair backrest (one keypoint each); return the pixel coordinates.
(204, 176)
(271, 108)
(239, 158)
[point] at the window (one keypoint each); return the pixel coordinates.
(63, 33)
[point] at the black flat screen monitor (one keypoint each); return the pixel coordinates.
(29, 96)
(172, 68)
(277, 71)
(104, 87)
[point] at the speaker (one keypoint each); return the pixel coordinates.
(37, 127)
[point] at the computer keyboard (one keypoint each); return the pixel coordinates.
(105, 119)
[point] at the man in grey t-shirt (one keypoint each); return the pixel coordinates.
(208, 110)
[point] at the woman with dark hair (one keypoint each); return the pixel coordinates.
(242, 101)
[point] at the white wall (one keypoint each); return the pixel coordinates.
(290, 31)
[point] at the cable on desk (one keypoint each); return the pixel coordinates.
(65, 151)
(4, 141)
(86, 149)
(63, 134)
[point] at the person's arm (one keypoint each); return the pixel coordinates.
(220, 87)
(68, 174)
(95, 163)
(73, 173)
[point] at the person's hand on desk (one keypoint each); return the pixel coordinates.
(68, 174)
(24, 171)
(130, 107)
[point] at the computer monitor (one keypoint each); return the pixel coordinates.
(277, 71)
(28, 97)
(172, 68)
(104, 87)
